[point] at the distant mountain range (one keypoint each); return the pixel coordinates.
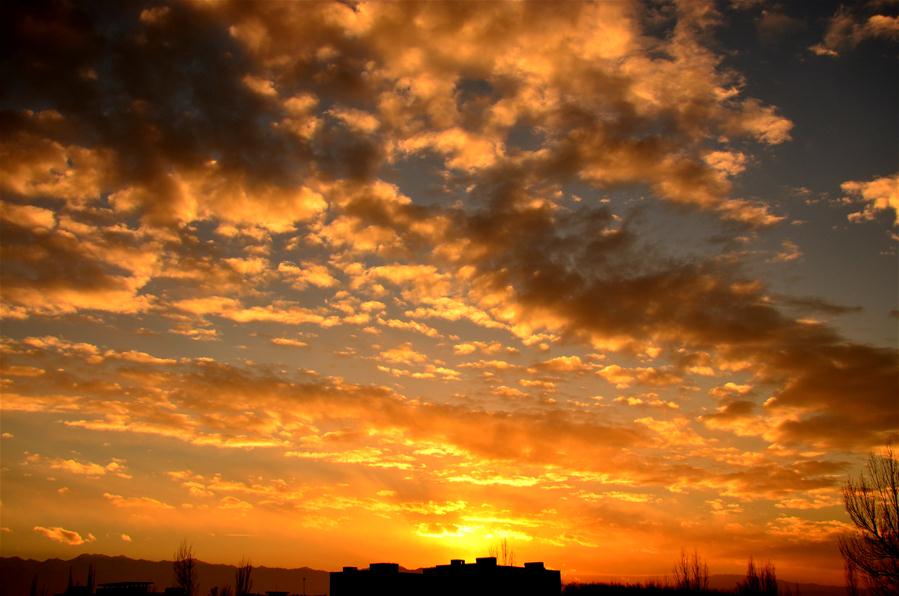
(53, 575)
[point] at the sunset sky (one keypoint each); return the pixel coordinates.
(330, 283)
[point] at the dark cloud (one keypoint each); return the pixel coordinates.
(699, 306)
(774, 24)
(732, 410)
(239, 112)
(812, 304)
(596, 276)
(165, 97)
(57, 271)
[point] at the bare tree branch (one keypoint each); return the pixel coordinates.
(691, 573)
(243, 581)
(872, 502)
(184, 566)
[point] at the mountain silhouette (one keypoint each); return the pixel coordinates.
(53, 574)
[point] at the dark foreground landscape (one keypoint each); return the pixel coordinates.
(53, 577)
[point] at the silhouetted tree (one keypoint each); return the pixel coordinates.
(503, 552)
(758, 582)
(91, 578)
(184, 566)
(71, 583)
(243, 580)
(691, 573)
(851, 579)
(225, 591)
(33, 590)
(872, 502)
(769, 580)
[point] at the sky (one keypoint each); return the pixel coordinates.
(331, 283)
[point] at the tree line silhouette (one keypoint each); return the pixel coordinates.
(690, 575)
(184, 565)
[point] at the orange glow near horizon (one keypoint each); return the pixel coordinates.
(325, 284)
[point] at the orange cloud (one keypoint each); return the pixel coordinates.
(877, 195)
(69, 537)
(141, 503)
(115, 467)
(846, 30)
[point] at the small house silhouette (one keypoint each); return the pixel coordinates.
(125, 589)
(482, 578)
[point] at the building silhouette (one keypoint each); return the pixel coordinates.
(482, 578)
(125, 589)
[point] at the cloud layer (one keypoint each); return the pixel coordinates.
(442, 272)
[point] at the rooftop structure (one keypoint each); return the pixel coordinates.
(125, 589)
(481, 578)
(379, 578)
